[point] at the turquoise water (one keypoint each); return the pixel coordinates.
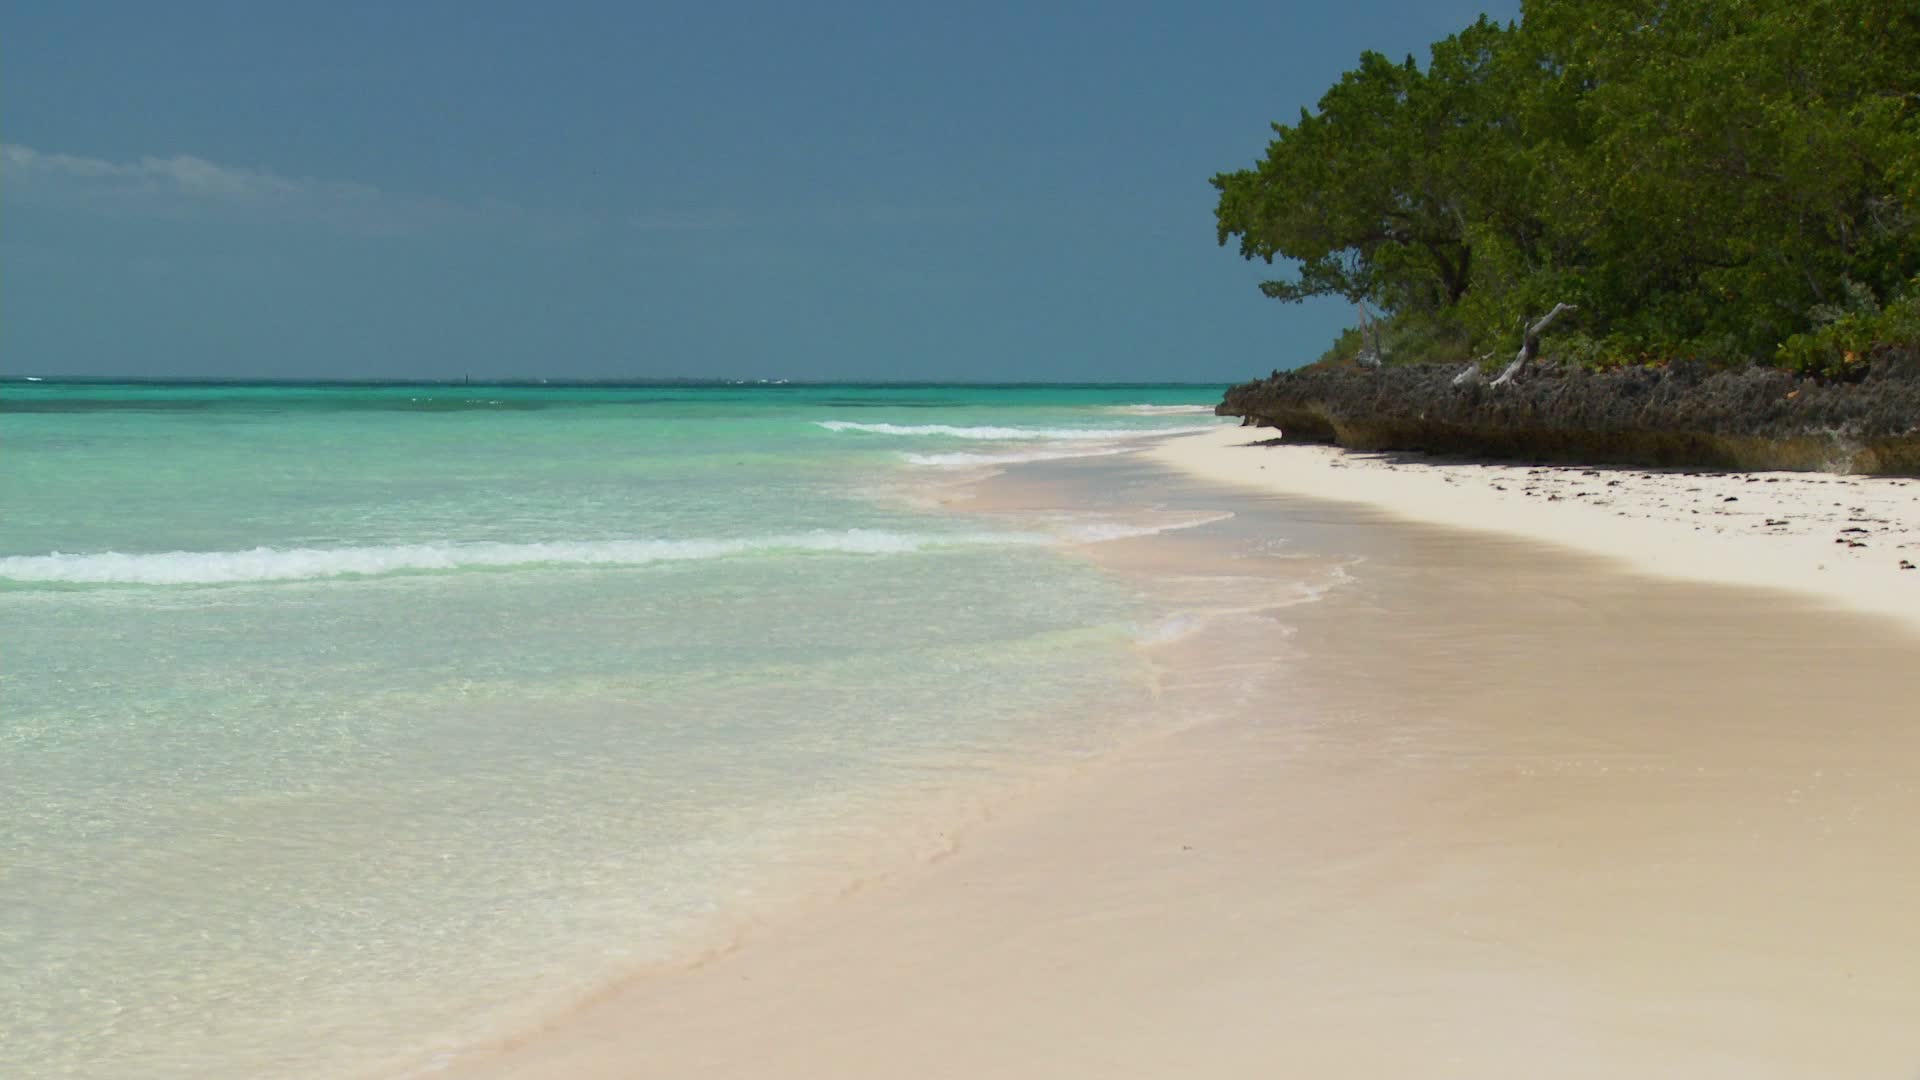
(340, 723)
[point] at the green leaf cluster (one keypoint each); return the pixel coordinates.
(1726, 180)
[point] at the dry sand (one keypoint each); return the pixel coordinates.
(1492, 809)
(1850, 541)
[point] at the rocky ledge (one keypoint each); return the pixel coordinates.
(1679, 415)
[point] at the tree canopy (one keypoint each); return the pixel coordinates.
(1724, 180)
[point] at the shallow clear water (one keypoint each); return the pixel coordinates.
(337, 723)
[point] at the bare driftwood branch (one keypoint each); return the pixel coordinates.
(1472, 373)
(1369, 340)
(1530, 343)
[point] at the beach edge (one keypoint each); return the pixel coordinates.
(1640, 525)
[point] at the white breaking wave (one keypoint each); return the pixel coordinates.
(302, 564)
(965, 460)
(310, 564)
(1005, 433)
(1163, 410)
(1097, 532)
(1170, 629)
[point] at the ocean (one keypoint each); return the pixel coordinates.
(343, 725)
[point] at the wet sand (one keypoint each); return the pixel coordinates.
(1491, 808)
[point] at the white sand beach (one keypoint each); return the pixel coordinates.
(1852, 541)
(1543, 799)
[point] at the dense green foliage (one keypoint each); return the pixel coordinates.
(1723, 180)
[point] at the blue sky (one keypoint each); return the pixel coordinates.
(756, 190)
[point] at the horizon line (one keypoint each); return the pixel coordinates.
(566, 381)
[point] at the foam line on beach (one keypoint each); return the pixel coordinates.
(1162, 410)
(964, 460)
(1003, 434)
(296, 564)
(268, 564)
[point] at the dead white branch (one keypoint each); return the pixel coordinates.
(1369, 356)
(1530, 343)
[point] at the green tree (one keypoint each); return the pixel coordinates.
(1372, 193)
(1702, 178)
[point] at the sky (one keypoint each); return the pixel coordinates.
(437, 189)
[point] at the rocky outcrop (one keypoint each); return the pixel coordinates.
(1681, 415)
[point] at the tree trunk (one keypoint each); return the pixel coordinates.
(1530, 343)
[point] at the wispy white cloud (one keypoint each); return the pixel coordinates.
(182, 174)
(183, 186)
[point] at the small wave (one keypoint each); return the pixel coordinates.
(1004, 433)
(1169, 629)
(265, 564)
(1162, 410)
(304, 564)
(1099, 532)
(965, 460)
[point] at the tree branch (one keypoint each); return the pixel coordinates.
(1530, 343)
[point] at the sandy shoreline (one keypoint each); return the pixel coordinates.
(1842, 539)
(1493, 809)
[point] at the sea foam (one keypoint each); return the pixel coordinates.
(300, 564)
(1005, 433)
(1162, 410)
(264, 564)
(965, 460)
(1099, 532)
